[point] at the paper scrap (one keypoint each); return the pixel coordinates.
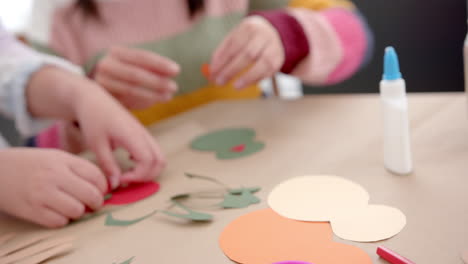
(128, 261)
(21, 243)
(46, 255)
(191, 214)
(239, 200)
(111, 221)
(42, 246)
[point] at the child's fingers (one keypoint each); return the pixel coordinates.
(107, 161)
(83, 191)
(218, 60)
(137, 76)
(142, 97)
(65, 205)
(90, 173)
(245, 57)
(155, 168)
(49, 218)
(229, 48)
(262, 69)
(148, 60)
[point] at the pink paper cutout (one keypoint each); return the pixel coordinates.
(238, 148)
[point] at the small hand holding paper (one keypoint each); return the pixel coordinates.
(137, 78)
(105, 126)
(48, 187)
(254, 44)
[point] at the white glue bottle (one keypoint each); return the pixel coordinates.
(397, 151)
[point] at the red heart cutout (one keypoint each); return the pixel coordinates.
(132, 193)
(238, 148)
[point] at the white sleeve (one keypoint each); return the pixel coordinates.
(3, 143)
(17, 64)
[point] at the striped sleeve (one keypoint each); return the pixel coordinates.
(325, 41)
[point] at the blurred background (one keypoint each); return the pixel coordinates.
(15, 14)
(428, 36)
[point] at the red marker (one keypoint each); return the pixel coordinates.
(392, 257)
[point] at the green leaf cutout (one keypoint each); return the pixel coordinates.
(191, 214)
(206, 178)
(111, 221)
(242, 200)
(128, 261)
(240, 190)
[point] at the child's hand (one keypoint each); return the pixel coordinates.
(255, 43)
(105, 126)
(48, 187)
(104, 123)
(137, 78)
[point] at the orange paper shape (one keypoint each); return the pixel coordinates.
(264, 237)
(205, 69)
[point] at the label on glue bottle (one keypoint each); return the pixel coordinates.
(397, 150)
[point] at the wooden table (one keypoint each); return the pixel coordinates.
(337, 135)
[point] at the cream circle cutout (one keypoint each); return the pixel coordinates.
(316, 198)
(368, 224)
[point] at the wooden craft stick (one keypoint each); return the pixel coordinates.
(35, 249)
(12, 247)
(6, 237)
(53, 252)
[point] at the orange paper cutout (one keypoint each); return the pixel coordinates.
(205, 69)
(264, 237)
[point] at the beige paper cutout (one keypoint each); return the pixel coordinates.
(56, 251)
(6, 237)
(368, 224)
(35, 249)
(316, 198)
(23, 243)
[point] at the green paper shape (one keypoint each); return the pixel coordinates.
(222, 141)
(240, 190)
(242, 200)
(107, 196)
(128, 261)
(192, 215)
(206, 178)
(111, 221)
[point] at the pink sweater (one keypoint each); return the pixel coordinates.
(325, 42)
